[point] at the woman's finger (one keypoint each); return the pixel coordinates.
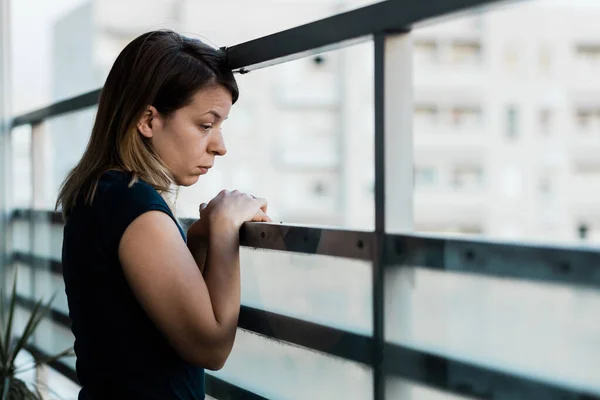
(261, 217)
(262, 203)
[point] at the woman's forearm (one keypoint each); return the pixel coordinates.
(222, 276)
(198, 246)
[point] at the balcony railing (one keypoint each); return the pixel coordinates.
(388, 24)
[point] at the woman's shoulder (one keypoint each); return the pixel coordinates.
(118, 189)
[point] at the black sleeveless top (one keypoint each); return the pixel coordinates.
(120, 352)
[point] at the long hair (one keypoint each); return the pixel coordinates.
(159, 68)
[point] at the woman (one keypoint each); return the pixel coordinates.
(149, 312)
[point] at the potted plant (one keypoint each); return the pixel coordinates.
(11, 387)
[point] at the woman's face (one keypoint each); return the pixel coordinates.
(190, 138)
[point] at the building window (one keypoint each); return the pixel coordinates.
(511, 56)
(426, 51)
(467, 176)
(545, 186)
(583, 230)
(546, 121)
(425, 176)
(545, 59)
(466, 52)
(588, 53)
(465, 116)
(587, 168)
(512, 122)
(426, 114)
(319, 189)
(588, 119)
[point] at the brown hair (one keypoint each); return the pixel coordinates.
(159, 68)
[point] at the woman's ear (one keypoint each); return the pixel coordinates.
(146, 121)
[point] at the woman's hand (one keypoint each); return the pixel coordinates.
(230, 209)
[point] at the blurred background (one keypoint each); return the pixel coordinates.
(506, 121)
(506, 147)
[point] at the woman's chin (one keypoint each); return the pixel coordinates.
(187, 180)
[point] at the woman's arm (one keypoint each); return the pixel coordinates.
(197, 314)
(197, 243)
(198, 317)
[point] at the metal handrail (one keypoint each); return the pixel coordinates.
(325, 34)
(533, 262)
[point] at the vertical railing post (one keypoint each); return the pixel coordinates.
(39, 166)
(393, 171)
(5, 164)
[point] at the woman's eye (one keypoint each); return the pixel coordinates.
(206, 127)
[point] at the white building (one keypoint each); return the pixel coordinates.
(506, 123)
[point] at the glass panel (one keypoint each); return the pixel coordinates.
(48, 240)
(80, 62)
(53, 338)
(61, 386)
(396, 388)
(48, 284)
(24, 279)
(20, 195)
(326, 290)
(486, 98)
(67, 136)
(280, 371)
(538, 330)
(301, 136)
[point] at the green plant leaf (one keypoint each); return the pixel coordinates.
(2, 308)
(9, 322)
(3, 349)
(6, 388)
(45, 360)
(37, 314)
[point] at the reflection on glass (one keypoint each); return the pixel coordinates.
(534, 329)
(322, 289)
(280, 371)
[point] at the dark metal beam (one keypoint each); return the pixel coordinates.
(57, 316)
(333, 341)
(555, 264)
(469, 379)
(381, 17)
(57, 365)
(290, 238)
(318, 36)
(73, 104)
(378, 254)
(37, 215)
(309, 240)
(566, 265)
(214, 386)
(417, 366)
(36, 262)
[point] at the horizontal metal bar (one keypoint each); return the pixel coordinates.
(291, 238)
(566, 265)
(418, 366)
(214, 386)
(310, 240)
(220, 389)
(36, 262)
(57, 365)
(468, 379)
(318, 36)
(73, 104)
(57, 316)
(381, 17)
(336, 342)
(37, 215)
(556, 264)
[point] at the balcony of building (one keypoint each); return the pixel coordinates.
(335, 313)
